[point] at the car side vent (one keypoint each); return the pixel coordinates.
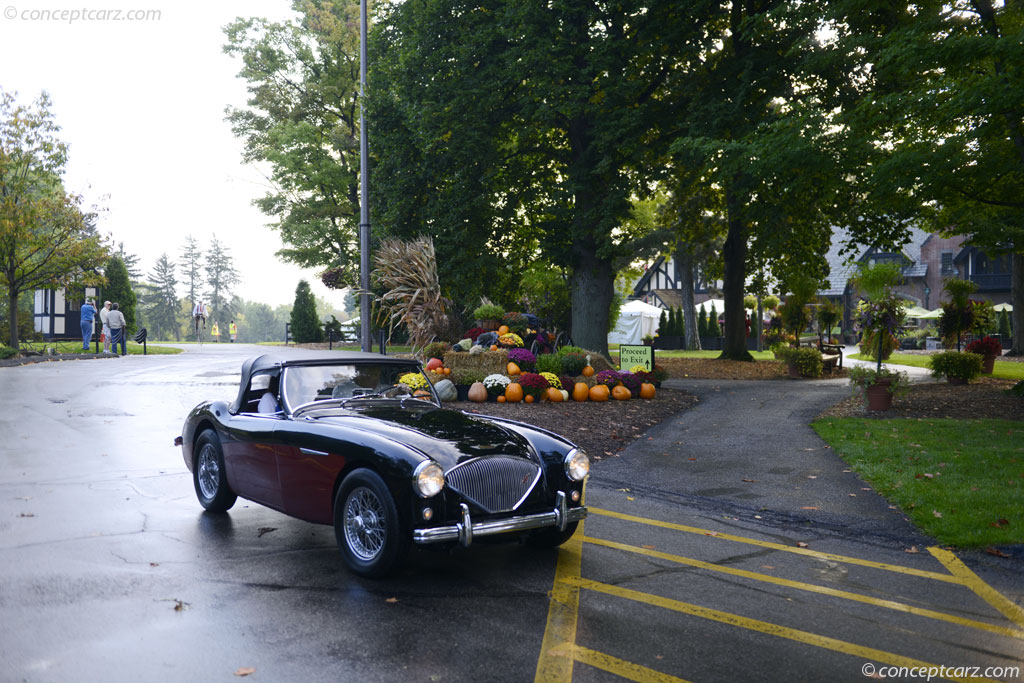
(496, 483)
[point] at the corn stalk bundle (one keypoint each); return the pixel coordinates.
(408, 271)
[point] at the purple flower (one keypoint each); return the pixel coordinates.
(630, 381)
(523, 358)
(609, 378)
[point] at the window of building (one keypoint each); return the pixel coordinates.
(947, 263)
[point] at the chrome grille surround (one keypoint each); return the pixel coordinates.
(497, 483)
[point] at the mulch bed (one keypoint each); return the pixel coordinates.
(982, 398)
(712, 368)
(601, 429)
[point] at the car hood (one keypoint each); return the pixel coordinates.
(447, 436)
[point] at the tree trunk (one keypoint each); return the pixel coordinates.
(593, 283)
(685, 265)
(12, 309)
(1017, 301)
(734, 255)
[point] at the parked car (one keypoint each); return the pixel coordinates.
(361, 441)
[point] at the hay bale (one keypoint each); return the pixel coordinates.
(488, 362)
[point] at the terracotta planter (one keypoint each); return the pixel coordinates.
(988, 365)
(955, 380)
(879, 396)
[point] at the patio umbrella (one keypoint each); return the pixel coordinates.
(933, 315)
(917, 312)
(1002, 307)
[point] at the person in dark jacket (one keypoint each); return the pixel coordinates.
(88, 318)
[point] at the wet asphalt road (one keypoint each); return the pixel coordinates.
(109, 570)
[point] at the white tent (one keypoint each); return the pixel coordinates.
(636, 321)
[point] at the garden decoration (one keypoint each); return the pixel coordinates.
(882, 316)
(989, 349)
(408, 273)
(488, 316)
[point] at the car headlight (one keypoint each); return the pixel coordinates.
(428, 479)
(577, 465)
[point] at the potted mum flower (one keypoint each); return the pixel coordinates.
(609, 378)
(533, 385)
(880, 316)
(989, 349)
(495, 385)
(523, 358)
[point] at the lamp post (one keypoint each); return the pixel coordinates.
(364, 195)
(927, 293)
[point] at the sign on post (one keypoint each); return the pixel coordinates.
(631, 356)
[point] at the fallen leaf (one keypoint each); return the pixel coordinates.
(853, 495)
(995, 551)
(245, 671)
(154, 564)
(710, 533)
(757, 517)
(391, 600)
(27, 514)
(864, 488)
(767, 566)
(912, 549)
(750, 481)
(809, 507)
(691, 458)
(630, 498)
(801, 544)
(649, 547)
(812, 476)
(937, 513)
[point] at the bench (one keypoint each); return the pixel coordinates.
(831, 354)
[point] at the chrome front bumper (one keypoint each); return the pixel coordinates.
(464, 531)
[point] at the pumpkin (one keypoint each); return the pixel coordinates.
(501, 399)
(621, 393)
(564, 393)
(477, 392)
(503, 329)
(588, 371)
(646, 390)
(494, 347)
(529, 398)
(447, 371)
(598, 392)
(513, 393)
(422, 393)
(434, 364)
(446, 390)
(580, 392)
(553, 395)
(512, 369)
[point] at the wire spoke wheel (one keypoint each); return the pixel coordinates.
(365, 523)
(209, 471)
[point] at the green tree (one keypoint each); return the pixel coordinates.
(671, 329)
(714, 330)
(190, 262)
(119, 290)
(702, 322)
(305, 323)
(45, 239)
(1004, 325)
(221, 277)
(162, 305)
(663, 323)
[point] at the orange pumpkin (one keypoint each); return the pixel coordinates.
(513, 393)
(447, 371)
(621, 393)
(588, 371)
(422, 393)
(599, 393)
(512, 369)
(529, 398)
(553, 395)
(501, 399)
(494, 347)
(503, 330)
(646, 390)
(434, 364)
(580, 392)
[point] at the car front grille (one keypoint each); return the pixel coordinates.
(497, 483)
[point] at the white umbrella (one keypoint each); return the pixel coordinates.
(934, 315)
(1002, 307)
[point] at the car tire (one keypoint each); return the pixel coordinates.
(209, 476)
(367, 526)
(552, 537)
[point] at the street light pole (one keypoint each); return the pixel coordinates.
(364, 196)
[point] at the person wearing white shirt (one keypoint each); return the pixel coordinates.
(199, 312)
(104, 312)
(118, 329)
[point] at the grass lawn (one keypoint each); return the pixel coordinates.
(961, 481)
(1004, 369)
(76, 347)
(659, 353)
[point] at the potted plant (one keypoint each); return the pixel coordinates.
(989, 349)
(879, 387)
(464, 378)
(956, 366)
(488, 316)
(495, 385)
(880, 316)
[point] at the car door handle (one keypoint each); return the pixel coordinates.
(310, 451)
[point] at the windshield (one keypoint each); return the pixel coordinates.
(308, 383)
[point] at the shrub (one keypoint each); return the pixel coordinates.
(495, 384)
(806, 359)
(956, 364)
(489, 312)
(533, 384)
(6, 352)
(988, 346)
(659, 373)
(523, 358)
(574, 359)
(609, 378)
(466, 376)
(550, 362)
(630, 381)
(436, 349)
(1017, 389)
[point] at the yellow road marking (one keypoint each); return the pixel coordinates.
(622, 668)
(1010, 610)
(778, 546)
(859, 651)
(558, 648)
(767, 578)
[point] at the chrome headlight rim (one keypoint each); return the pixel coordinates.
(576, 465)
(428, 479)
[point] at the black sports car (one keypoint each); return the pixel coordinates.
(361, 441)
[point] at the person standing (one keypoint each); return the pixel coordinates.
(199, 313)
(215, 332)
(88, 322)
(117, 329)
(105, 333)
(233, 330)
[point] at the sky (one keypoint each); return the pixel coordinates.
(140, 101)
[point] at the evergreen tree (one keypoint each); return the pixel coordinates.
(670, 322)
(162, 306)
(191, 271)
(1004, 326)
(680, 330)
(119, 290)
(702, 323)
(663, 329)
(713, 329)
(131, 263)
(221, 276)
(305, 323)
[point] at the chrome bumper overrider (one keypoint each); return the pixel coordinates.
(464, 531)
